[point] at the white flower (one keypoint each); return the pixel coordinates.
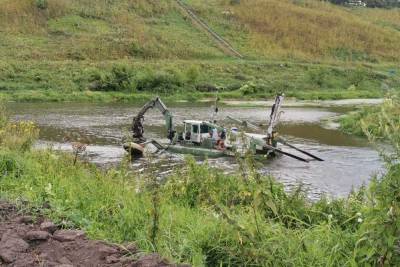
(359, 220)
(48, 188)
(359, 214)
(330, 216)
(390, 212)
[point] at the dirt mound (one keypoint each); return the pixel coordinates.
(26, 241)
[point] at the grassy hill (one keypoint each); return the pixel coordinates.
(310, 30)
(60, 49)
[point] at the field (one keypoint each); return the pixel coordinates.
(127, 50)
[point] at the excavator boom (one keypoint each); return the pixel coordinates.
(137, 124)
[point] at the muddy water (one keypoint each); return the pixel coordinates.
(349, 161)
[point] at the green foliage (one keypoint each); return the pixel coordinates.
(68, 81)
(373, 121)
(160, 81)
(10, 165)
(203, 217)
(379, 243)
(120, 78)
(41, 4)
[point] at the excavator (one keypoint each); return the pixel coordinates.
(208, 139)
(136, 148)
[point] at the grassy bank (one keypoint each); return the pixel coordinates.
(79, 50)
(201, 216)
(373, 121)
(125, 80)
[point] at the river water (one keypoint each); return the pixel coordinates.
(349, 161)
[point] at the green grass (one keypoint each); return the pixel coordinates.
(111, 81)
(58, 50)
(373, 121)
(201, 216)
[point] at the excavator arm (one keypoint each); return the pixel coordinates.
(275, 115)
(137, 124)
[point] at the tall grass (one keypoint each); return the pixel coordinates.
(376, 122)
(308, 30)
(203, 217)
(98, 30)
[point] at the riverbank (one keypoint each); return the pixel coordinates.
(29, 239)
(127, 81)
(199, 215)
(371, 121)
(231, 99)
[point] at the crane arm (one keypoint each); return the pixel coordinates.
(275, 114)
(137, 124)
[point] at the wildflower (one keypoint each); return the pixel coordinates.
(330, 216)
(390, 212)
(359, 220)
(48, 188)
(359, 214)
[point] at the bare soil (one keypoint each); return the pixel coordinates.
(34, 241)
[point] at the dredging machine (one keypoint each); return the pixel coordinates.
(209, 139)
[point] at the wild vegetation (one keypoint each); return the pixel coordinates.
(373, 121)
(203, 217)
(126, 81)
(126, 50)
(308, 30)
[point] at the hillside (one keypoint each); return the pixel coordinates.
(310, 30)
(145, 29)
(67, 45)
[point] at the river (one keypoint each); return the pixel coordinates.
(349, 161)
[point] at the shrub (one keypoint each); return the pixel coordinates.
(120, 78)
(159, 81)
(10, 165)
(249, 89)
(206, 87)
(192, 74)
(41, 4)
(317, 77)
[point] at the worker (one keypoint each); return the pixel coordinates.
(214, 135)
(221, 140)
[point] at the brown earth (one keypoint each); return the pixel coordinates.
(34, 241)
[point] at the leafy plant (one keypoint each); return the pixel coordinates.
(41, 4)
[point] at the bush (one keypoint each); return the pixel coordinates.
(317, 77)
(120, 78)
(206, 87)
(159, 81)
(249, 89)
(373, 121)
(41, 4)
(10, 165)
(192, 74)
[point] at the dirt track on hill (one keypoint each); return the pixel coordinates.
(26, 241)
